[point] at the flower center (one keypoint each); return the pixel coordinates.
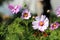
(54, 25)
(15, 9)
(25, 15)
(41, 23)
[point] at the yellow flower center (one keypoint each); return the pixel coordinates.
(41, 23)
(25, 15)
(54, 25)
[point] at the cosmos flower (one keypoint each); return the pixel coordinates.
(54, 26)
(14, 9)
(26, 14)
(41, 23)
(58, 11)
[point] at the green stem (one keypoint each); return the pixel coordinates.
(27, 27)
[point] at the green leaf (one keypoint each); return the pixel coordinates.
(12, 37)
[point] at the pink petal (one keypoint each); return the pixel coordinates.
(11, 7)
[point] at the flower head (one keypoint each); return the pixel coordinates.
(14, 9)
(54, 26)
(26, 14)
(41, 23)
(58, 11)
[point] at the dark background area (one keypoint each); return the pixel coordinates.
(47, 6)
(1, 2)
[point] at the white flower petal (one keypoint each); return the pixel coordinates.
(35, 23)
(26, 17)
(34, 27)
(41, 29)
(44, 27)
(43, 17)
(46, 20)
(37, 18)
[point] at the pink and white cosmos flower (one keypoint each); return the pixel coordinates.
(54, 25)
(14, 9)
(26, 14)
(41, 23)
